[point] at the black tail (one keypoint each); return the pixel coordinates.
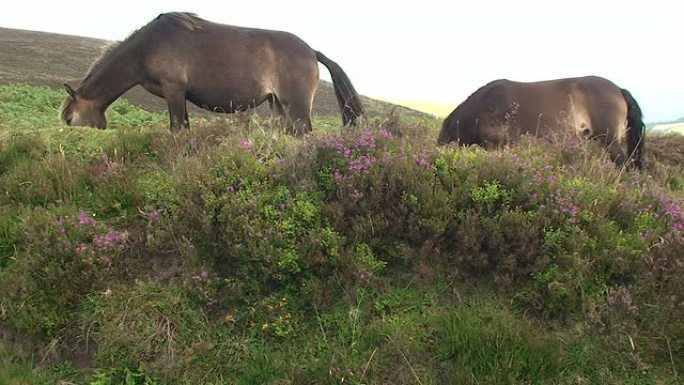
(347, 97)
(636, 129)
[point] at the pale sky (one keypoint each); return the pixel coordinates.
(431, 50)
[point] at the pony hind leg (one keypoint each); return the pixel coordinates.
(297, 117)
(615, 150)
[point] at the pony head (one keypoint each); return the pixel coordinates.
(79, 111)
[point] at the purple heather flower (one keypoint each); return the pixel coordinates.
(385, 134)
(112, 240)
(421, 160)
(154, 214)
(338, 177)
(361, 164)
(574, 210)
(84, 219)
(247, 145)
(673, 211)
(365, 140)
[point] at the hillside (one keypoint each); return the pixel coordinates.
(232, 254)
(52, 59)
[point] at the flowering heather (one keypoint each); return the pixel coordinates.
(672, 209)
(362, 143)
(565, 203)
(247, 145)
(154, 214)
(337, 177)
(422, 161)
(361, 164)
(113, 240)
(335, 142)
(86, 220)
(385, 134)
(365, 140)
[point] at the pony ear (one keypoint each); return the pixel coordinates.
(70, 90)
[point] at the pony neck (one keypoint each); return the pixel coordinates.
(116, 75)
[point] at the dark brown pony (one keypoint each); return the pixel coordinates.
(590, 107)
(222, 68)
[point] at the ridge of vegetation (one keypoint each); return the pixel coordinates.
(232, 253)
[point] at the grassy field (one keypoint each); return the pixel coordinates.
(234, 254)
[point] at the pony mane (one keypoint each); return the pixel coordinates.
(186, 20)
(479, 91)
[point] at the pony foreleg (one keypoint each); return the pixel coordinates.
(178, 112)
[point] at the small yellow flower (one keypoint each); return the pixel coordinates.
(264, 326)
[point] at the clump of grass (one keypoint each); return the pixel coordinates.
(483, 344)
(175, 332)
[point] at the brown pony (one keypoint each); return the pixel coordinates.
(589, 107)
(222, 68)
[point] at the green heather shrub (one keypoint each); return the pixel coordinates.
(59, 258)
(376, 185)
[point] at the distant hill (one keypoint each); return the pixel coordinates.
(51, 59)
(669, 128)
(437, 109)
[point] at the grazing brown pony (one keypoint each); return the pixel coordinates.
(589, 107)
(222, 68)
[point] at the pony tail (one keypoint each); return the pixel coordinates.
(347, 97)
(636, 129)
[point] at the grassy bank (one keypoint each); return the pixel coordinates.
(235, 254)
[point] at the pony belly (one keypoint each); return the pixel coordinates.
(226, 106)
